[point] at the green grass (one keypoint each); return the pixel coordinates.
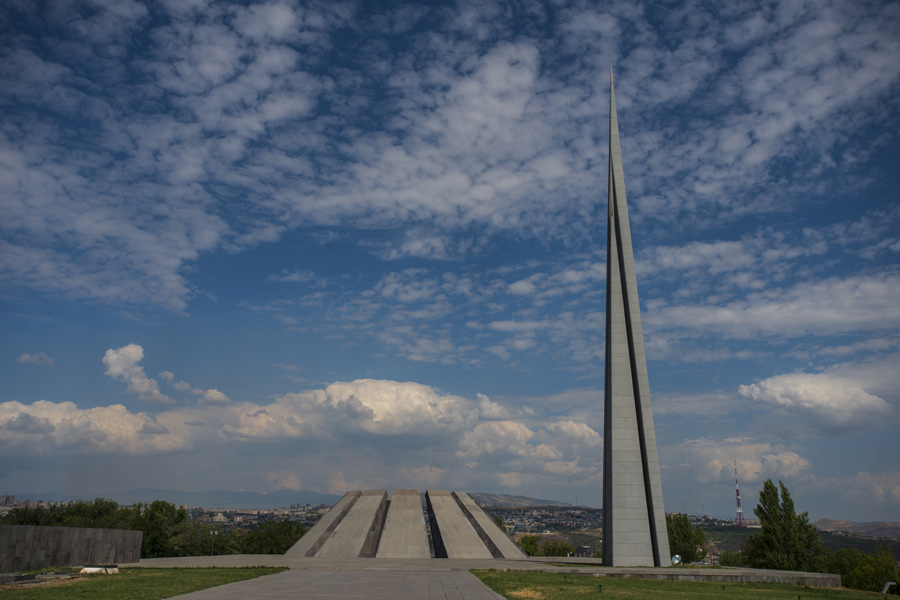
(557, 586)
(136, 584)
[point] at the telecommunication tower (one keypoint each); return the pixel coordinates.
(739, 516)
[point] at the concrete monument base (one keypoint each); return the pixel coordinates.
(373, 524)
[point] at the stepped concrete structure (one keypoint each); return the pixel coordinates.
(404, 533)
(496, 540)
(314, 539)
(451, 532)
(634, 520)
(357, 533)
(372, 524)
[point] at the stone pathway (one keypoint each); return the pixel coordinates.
(353, 585)
(428, 578)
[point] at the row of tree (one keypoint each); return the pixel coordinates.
(168, 530)
(787, 541)
(529, 545)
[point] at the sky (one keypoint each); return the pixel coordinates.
(346, 245)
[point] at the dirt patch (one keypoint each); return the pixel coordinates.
(42, 583)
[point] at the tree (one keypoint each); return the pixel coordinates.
(102, 512)
(271, 537)
(529, 544)
(167, 529)
(732, 559)
(685, 539)
(786, 540)
(874, 571)
(554, 548)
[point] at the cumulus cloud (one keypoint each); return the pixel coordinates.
(212, 396)
(707, 460)
(40, 358)
(490, 410)
(60, 429)
(153, 428)
(829, 404)
(122, 365)
(865, 488)
(26, 423)
(405, 432)
(580, 433)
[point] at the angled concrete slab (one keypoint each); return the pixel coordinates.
(404, 535)
(451, 532)
(499, 544)
(357, 533)
(312, 540)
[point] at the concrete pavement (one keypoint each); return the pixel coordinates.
(429, 578)
(353, 585)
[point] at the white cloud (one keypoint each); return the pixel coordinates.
(212, 396)
(169, 377)
(50, 429)
(292, 276)
(708, 460)
(579, 432)
(831, 306)
(122, 365)
(40, 358)
(394, 407)
(523, 287)
(828, 403)
(153, 428)
(471, 129)
(865, 488)
(411, 430)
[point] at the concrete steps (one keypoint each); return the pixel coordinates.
(371, 524)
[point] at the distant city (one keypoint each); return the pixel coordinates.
(579, 526)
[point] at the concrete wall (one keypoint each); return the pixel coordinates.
(24, 547)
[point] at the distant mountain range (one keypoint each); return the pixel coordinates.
(214, 499)
(878, 529)
(255, 500)
(502, 500)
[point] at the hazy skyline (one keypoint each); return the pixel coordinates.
(332, 246)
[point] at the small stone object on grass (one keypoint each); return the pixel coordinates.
(102, 569)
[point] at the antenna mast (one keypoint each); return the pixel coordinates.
(739, 516)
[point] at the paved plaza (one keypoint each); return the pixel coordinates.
(353, 585)
(428, 578)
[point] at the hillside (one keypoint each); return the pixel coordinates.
(502, 500)
(212, 499)
(729, 538)
(878, 529)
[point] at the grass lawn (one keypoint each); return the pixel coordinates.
(134, 584)
(557, 586)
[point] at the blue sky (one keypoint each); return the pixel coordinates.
(335, 246)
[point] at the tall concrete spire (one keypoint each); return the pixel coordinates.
(634, 520)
